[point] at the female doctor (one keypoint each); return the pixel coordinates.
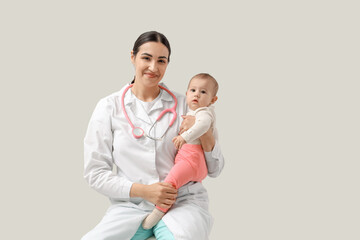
(122, 134)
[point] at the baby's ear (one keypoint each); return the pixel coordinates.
(214, 99)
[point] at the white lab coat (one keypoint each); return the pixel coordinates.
(109, 142)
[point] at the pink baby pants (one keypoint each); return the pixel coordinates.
(189, 166)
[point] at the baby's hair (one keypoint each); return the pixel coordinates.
(207, 77)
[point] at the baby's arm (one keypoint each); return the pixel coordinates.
(203, 120)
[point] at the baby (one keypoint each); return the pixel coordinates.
(190, 162)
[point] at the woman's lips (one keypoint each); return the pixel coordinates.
(150, 75)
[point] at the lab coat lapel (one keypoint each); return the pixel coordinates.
(165, 97)
(136, 109)
(139, 112)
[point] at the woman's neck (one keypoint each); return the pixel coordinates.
(146, 94)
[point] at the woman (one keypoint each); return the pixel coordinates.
(142, 163)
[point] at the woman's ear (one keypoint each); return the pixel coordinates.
(132, 56)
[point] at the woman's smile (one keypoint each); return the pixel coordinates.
(151, 75)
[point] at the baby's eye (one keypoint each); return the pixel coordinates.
(192, 90)
(203, 92)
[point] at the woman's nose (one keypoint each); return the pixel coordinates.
(153, 66)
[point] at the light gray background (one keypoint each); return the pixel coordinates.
(288, 109)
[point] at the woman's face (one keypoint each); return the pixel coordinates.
(150, 63)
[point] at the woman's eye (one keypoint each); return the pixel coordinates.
(146, 58)
(162, 61)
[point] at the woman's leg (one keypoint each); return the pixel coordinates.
(119, 222)
(162, 232)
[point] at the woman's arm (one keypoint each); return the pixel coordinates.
(208, 141)
(98, 161)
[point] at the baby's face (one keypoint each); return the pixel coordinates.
(200, 93)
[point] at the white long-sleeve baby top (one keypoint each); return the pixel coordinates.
(204, 119)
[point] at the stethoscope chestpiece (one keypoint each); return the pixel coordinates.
(137, 132)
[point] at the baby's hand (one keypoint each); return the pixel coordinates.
(178, 141)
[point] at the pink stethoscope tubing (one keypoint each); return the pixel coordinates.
(138, 132)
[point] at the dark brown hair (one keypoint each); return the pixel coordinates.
(151, 36)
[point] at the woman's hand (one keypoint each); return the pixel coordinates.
(187, 123)
(161, 194)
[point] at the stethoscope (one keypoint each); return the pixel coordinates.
(138, 132)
